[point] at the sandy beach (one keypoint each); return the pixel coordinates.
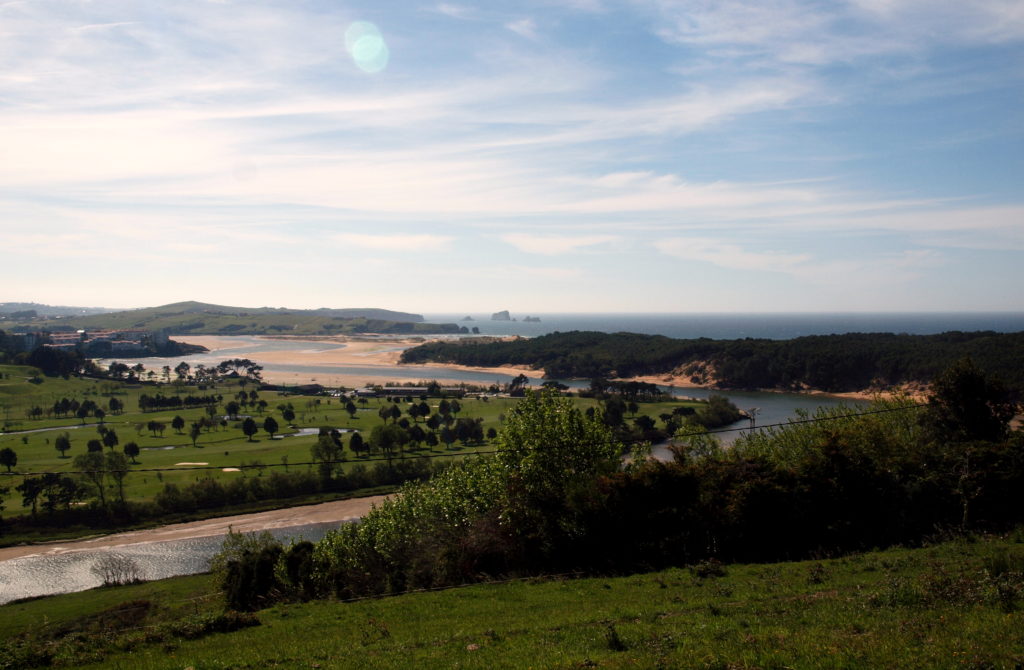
(377, 354)
(338, 510)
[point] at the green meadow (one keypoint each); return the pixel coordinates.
(955, 604)
(163, 453)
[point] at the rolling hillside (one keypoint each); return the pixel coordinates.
(207, 319)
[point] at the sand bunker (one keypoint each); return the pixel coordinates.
(191, 463)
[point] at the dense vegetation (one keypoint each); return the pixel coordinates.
(202, 318)
(849, 362)
(554, 498)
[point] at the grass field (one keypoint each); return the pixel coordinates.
(952, 605)
(218, 448)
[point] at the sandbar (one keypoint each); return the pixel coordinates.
(377, 355)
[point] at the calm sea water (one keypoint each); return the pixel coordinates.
(733, 326)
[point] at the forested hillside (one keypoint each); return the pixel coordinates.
(849, 362)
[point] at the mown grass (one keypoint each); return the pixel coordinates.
(219, 448)
(954, 605)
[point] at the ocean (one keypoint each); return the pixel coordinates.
(739, 325)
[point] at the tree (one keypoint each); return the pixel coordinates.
(551, 453)
(110, 439)
(117, 469)
(194, 432)
(94, 446)
(388, 438)
(91, 466)
(177, 423)
(131, 450)
(288, 414)
(62, 444)
(8, 458)
(965, 404)
(250, 428)
(328, 452)
(30, 489)
(232, 408)
(350, 407)
(99, 414)
(115, 405)
(356, 444)
(270, 425)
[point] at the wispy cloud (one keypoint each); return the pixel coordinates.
(523, 27)
(731, 131)
(729, 255)
(396, 242)
(555, 245)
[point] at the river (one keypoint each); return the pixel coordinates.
(168, 551)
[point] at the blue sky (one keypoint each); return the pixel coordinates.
(538, 156)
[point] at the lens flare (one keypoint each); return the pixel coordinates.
(365, 44)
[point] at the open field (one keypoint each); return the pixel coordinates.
(170, 457)
(955, 604)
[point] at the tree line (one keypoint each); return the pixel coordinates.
(847, 362)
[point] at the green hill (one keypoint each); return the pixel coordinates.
(955, 604)
(207, 319)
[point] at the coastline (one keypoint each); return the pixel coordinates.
(363, 352)
(384, 354)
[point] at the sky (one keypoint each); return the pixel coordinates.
(540, 156)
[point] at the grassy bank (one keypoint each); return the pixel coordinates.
(954, 604)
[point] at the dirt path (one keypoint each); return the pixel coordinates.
(339, 510)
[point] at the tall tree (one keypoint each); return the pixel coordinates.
(8, 458)
(110, 439)
(62, 443)
(250, 428)
(117, 469)
(92, 468)
(966, 404)
(270, 426)
(131, 450)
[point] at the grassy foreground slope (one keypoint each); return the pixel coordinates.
(952, 605)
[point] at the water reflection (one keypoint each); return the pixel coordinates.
(69, 571)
